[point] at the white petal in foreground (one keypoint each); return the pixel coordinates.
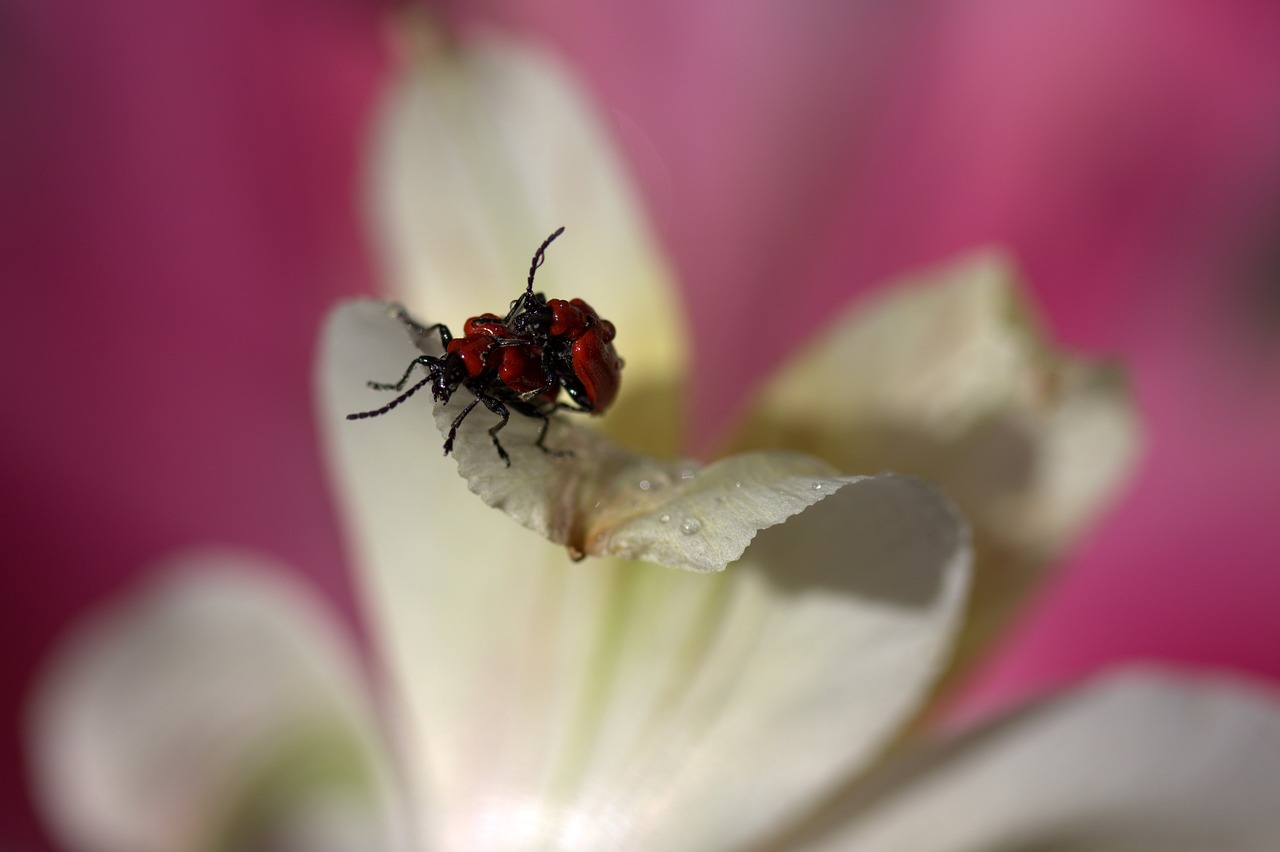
(616, 705)
(218, 708)
(1137, 761)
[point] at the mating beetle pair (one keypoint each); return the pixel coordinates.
(519, 362)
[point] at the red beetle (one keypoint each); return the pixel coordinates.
(519, 362)
(595, 364)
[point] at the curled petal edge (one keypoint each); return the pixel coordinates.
(594, 496)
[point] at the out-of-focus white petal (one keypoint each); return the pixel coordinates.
(217, 708)
(1136, 761)
(483, 149)
(616, 705)
(947, 377)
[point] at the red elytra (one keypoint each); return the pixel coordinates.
(519, 362)
(595, 362)
(486, 348)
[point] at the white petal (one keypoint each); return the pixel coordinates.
(615, 705)
(1138, 761)
(600, 499)
(484, 148)
(947, 377)
(217, 705)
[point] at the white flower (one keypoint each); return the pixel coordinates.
(524, 701)
(218, 710)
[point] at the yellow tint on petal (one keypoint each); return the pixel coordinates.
(603, 704)
(947, 376)
(544, 703)
(483, 149)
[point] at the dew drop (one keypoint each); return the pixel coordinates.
(689, 526)
(817, 486)
(645, 485)
(687, 473)
(737, 485)
(664, 518)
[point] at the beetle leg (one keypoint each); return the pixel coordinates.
(542, 436)
(499, 409)
(425, 360)
(551, 385)
(516, 307)
(420, 330)
(453, 428)
(544, 415)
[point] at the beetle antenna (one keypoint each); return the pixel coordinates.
(539, 256)
(392, 404)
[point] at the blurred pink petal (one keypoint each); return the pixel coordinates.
(1125, 152)
(178, 188)
(178, 209)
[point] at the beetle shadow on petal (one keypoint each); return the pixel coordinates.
(886, 538)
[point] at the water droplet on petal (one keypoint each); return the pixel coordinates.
(687, 473)
(817, 486)
(645, 485)
(689, 526)
(737, 485)
(664, 518)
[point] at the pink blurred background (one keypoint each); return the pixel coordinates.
(179, 208)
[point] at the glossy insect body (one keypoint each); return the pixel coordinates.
(519, 362)
(595, 364)
(488, 348)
